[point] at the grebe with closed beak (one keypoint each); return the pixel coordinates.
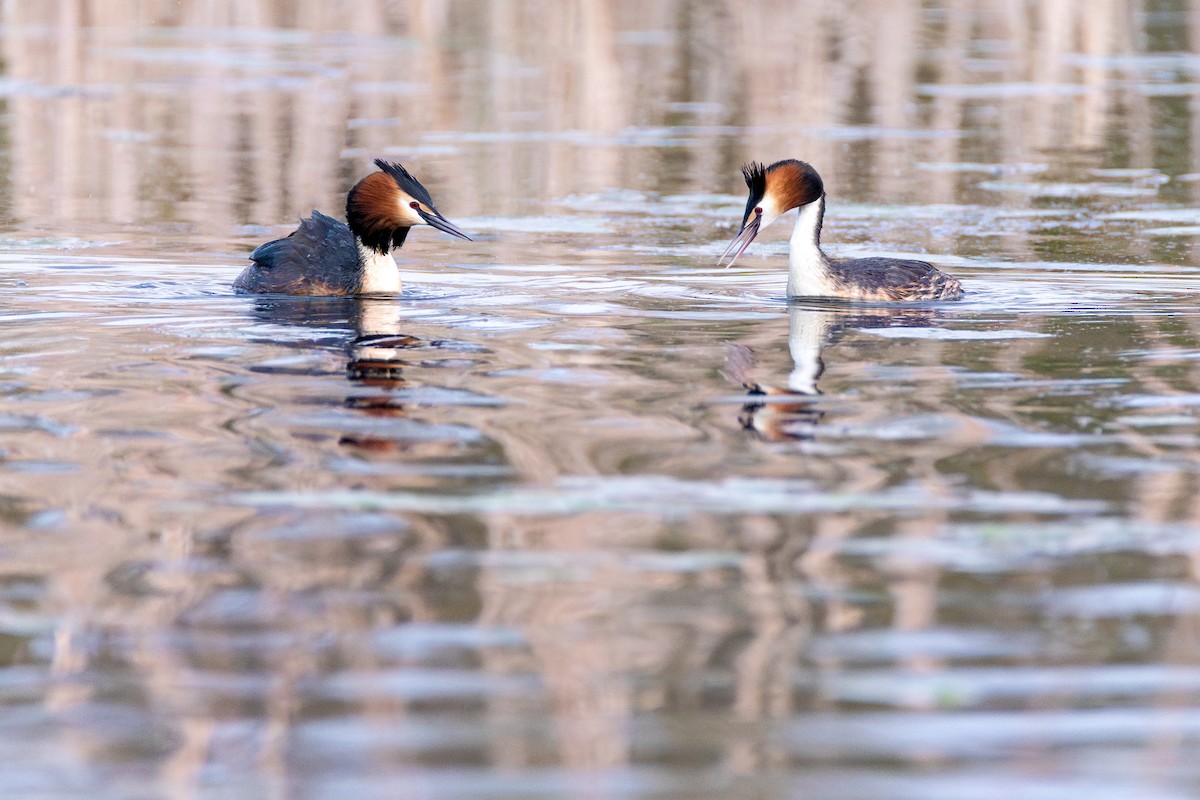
(327, 257)
(789, 184)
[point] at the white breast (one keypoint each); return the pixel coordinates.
(380, 274)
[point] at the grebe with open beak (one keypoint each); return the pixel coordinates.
(327, 257)
(789, 184)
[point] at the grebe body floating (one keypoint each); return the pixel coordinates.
(327, 257)
(789, 184)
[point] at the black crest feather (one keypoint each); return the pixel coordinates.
(405, 181)
(756, 180)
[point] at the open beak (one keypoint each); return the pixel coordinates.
(744, 238)
(436, 220)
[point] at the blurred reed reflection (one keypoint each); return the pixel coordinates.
(216, 114)
(617, 615)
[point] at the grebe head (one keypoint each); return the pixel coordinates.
(384, 205)
(774, 191)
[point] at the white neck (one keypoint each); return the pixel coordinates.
(379, 272)
(808, 267)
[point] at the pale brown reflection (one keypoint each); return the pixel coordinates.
(216, 113)
(613, 641)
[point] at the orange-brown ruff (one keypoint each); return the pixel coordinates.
(327, 257)
(790, 184)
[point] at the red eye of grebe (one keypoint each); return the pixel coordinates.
(758, 210)
(415, 204)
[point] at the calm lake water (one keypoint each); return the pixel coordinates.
(522, 532)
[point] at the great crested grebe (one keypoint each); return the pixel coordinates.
(327, 257)
(789, 184)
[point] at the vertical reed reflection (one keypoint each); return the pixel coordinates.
(218, 113)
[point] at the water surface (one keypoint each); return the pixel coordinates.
(524, 531)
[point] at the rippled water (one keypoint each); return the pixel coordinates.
(580, 514)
